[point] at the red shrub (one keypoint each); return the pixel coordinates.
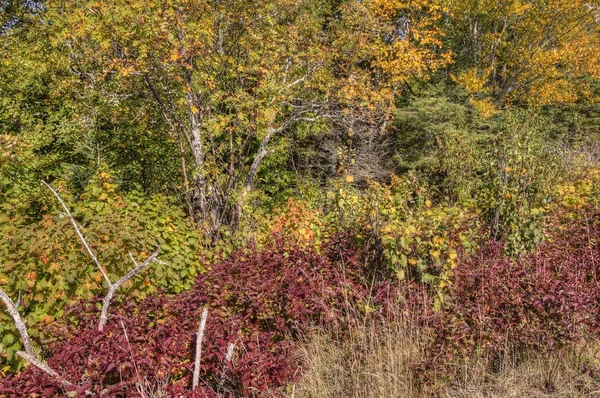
(261, 300)
(257, 300)
(542, 301)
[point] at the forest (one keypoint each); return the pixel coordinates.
(299, 198)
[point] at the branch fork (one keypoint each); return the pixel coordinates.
(112, 287)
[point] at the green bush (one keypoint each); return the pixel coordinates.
(43, 262)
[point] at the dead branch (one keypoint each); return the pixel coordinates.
(78, 231)
(199, 348)
(228, 358)
(30, 355)
(44, 368)
(112, 288)
(14, 313)
(20, 325)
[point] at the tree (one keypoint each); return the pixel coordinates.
(524, 51)
(229, 76)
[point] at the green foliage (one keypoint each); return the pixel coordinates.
(421, 123)
(273, 118)
(508, 177)
(401, 228)
(504, 168)
(43, 262)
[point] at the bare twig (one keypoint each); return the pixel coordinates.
(14, 313)
(114, 286)
(133, 361)
(78, 231)
(199, 349)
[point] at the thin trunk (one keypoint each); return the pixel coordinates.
(200, 191)
(260, 155)
(186, 181)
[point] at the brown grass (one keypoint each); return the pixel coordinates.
(372, 361)
(377, 360)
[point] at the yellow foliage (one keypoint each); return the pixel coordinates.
(540, 52)
(485, 107)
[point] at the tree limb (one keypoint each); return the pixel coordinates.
(30, 355)
(45, 368)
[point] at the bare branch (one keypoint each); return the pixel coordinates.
(114, 286)
(30, 355)
(14, 313)
(228, 357)
(45, 368)
(78, 230)
(199, 348)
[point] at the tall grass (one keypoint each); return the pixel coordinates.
(378, 360)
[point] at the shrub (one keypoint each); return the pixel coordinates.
(42, 260)
(542, 301)
(258, 300)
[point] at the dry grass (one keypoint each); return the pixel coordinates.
(566, 373)
(376, 361)
(372, 361)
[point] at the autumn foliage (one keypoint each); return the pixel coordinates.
(263, 301)
(544, 301)
(304, 168)
(257, 300)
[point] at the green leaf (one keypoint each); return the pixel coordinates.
(8, 339)
(428, 278)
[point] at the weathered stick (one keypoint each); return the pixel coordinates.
(52, 373)
(112, 288)
(199, 348)
(43, 367)
(228, 357)
(14, 313)
(78, 230)
(29, 355)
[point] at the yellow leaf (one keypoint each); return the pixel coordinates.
(176, 56)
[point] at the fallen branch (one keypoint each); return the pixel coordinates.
(199, 337)
(14, 313)
(29, 355)
(45, 368)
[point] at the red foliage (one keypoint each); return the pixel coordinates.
(257, 300)
(542, 301)
(261, 300)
